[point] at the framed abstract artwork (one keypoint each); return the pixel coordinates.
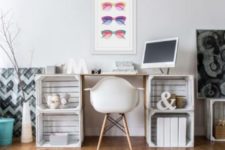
(211, 63)
(114, 27)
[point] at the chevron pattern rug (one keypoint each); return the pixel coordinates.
(10, 95)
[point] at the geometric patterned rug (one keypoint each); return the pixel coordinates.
(10, 95)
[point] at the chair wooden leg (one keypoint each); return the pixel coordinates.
(127, 131)
(102, 131)
(125, 119)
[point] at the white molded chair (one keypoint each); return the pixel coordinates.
(114, 95)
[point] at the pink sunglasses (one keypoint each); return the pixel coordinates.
(108, 33)
(109, 5)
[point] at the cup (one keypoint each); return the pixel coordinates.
(180, 101)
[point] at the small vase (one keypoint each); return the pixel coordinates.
(26, 134)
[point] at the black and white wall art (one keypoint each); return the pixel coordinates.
(10, 99)
(211, 63)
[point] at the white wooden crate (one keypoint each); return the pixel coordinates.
(181, 85)
(51, 123)
(61, 85)
(215, 111)
(152, 126)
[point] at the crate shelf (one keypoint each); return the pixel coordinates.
(152, 127)
(60, 85)
(70, 123)
(216, 112)
(67, 118)
(181, 85)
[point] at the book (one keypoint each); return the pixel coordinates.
(166, 132)
(123, 63)
(182, 131)
(125, 68)
(160, 131)
(174, 132)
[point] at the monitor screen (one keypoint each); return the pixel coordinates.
(160, 53)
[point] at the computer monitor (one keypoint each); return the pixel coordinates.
(160, 53)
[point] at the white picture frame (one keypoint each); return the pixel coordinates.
(114, 43)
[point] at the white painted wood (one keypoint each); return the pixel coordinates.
(61, 85)
(51, 123)
(152, 127)
(215, 112)
(67, 118)
(182, 85)
(72, 95)
(61, 89)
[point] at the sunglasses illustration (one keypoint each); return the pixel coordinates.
(108, 33)
(108, 20)
(109, 5)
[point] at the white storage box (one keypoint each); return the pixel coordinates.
(179, 85)
(61, 127)
(58, 139)
(70, 85)
(48, 124)
(215, 112)
(152, 128)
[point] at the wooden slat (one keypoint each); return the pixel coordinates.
(73, 137)
(216, 112)
(169, 82)
(60, 129)
(60, 123)
(70, 100)
(61, 90)
(62, 78)
(168, 87)
(60, 83)
(61, 117)
(223, 111)
(72, 95)
(159, 92)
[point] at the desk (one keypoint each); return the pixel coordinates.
(141, 75)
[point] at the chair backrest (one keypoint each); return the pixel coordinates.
(113, 95)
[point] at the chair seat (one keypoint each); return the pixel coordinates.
(114, 95)
(113, 107)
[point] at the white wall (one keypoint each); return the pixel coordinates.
(61, 29)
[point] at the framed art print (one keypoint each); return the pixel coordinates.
(211, 63)
(114, 29)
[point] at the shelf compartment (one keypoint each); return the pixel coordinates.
(216, 112)
(152, 127)
(60, 85)
(181, 85)
(53, 123)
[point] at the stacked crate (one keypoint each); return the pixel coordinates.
(67, 120)
(180, 85)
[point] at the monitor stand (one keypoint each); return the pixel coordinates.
(167, 71)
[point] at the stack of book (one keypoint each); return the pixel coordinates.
(171, 131)
(124, 67)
